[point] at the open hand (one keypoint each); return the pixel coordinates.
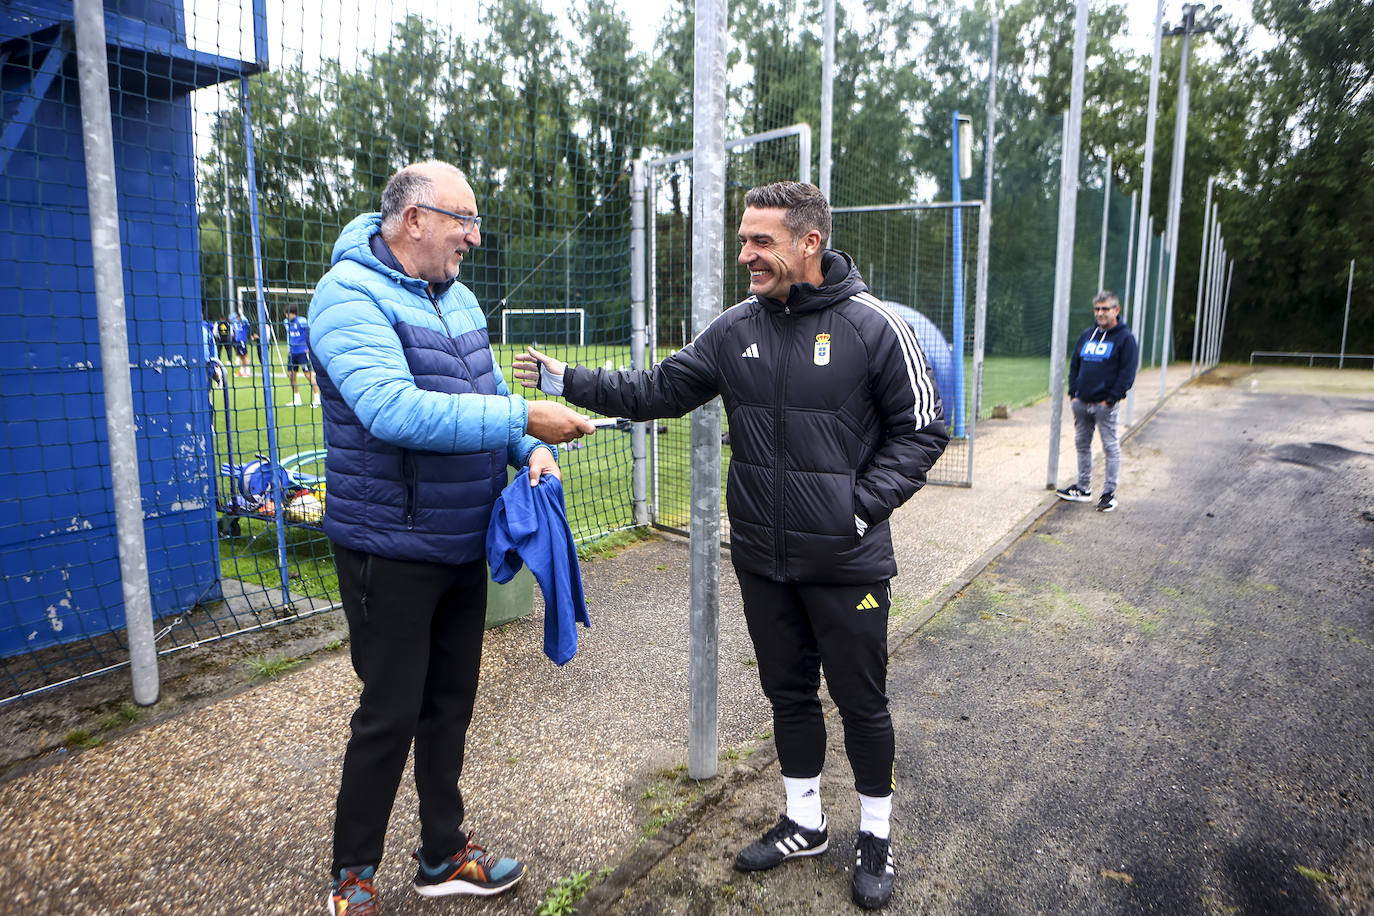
(527, 367)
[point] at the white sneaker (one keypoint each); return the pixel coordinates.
(316, 402)
(296, 401)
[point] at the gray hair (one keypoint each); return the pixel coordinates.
(806, 206)
(409, 187)
(1108, 297)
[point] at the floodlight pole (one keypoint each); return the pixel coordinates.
(1063, 266)
(708, 292)
(1142, 265)
(1188, 28)
(121, 426)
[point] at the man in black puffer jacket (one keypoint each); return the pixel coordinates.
(835, 419)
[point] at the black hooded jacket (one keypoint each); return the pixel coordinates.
(834, 414)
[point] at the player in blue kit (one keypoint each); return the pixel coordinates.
(298, 355)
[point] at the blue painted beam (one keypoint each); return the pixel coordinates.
(38, 89)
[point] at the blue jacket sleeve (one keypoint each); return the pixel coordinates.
(351, 334)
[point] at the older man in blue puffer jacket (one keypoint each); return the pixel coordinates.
(420, 427)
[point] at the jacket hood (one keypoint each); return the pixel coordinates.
(841, 281)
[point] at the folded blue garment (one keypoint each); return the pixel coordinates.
(529, 526)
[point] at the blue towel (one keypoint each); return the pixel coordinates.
(530, 524)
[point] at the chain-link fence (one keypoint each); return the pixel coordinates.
(247, 136)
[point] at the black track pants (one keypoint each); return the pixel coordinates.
(415, 635)
(799, 627)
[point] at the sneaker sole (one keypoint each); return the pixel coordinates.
(451, 888)
(1075, 499)
(1108, 509)
(814, 851)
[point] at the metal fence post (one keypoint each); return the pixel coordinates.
(638, 335)
(827, 94)
(1063, 266)
(1203, 271)
(708, 292)
(1106, 212)
(1142, 257)
(980, 315)
(98, 137)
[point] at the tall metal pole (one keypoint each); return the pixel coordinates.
(980, 317)
(97, 134)
(638, 335)
(708, 292)
(1225, 302)
(1163, 269)
(956, 413)
(1130, 263)
(1063, 262)
(1106, 211)
(1187, 29)
(1175, 207)
(1349, 286)
(1142, 264)
(1202, 272)
(827, 95)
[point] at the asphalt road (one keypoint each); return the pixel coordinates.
(1164, 709)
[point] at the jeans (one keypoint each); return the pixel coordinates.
(1086, 418)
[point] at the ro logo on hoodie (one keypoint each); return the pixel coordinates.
(1097, 350)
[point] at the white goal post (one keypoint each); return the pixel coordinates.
(578, 315)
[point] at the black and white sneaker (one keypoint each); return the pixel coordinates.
(787, 840)
(874, 873)
(1074, 494)
(1107, 503)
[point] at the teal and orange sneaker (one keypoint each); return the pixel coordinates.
(472, 870)
(352, 894)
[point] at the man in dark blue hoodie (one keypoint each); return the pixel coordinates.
(1101, 372)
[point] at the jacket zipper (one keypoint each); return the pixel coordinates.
(408, 474)
(779, 437)
(462, 358)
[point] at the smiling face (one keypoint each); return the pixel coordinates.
(431, 243)
(445, 240)
(775, 260)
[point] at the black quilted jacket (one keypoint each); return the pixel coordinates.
(834, 413)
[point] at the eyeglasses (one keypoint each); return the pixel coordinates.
(1103, 308)
(470, 223)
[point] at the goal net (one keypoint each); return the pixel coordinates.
(566, 326)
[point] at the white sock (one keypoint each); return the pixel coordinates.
(875, 815)
(804, 801)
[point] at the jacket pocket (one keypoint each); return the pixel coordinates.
(818, 511)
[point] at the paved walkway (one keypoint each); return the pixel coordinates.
(229, 807)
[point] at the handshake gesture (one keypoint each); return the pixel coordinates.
(547, 420)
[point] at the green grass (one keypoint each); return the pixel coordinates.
(269, 667)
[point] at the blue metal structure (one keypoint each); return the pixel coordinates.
(58, 561)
